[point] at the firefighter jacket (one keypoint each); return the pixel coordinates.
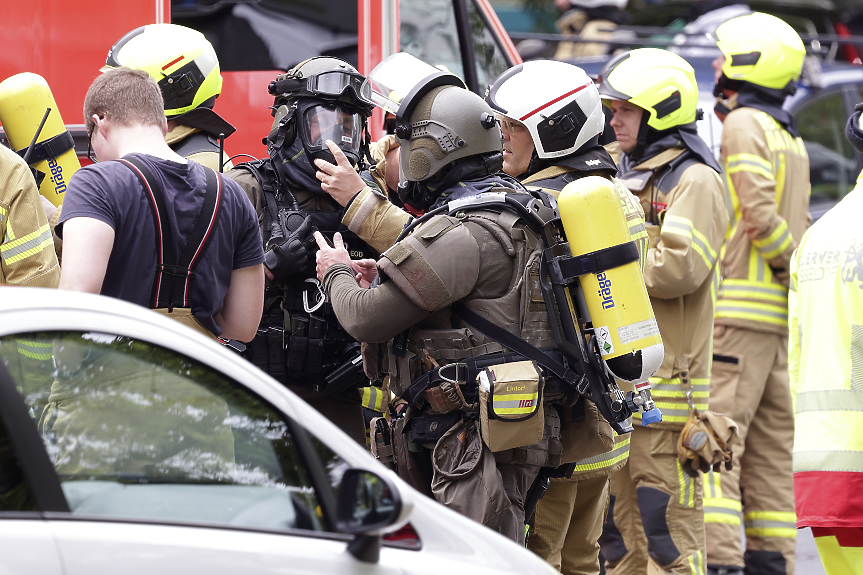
(767, 182)
(825, 314)
(553, 179)
(27, 255)
(684, 206)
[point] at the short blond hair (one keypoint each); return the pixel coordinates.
(125, 96)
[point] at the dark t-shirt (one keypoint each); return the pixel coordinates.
(110, 192)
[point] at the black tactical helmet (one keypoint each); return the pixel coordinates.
(321, 99)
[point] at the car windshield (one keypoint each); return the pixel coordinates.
(138, 431)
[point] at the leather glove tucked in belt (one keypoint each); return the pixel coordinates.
(706, 441)
(286, 256)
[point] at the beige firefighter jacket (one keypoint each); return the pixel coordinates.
(27, 255)
(578, 23)
(767, 180)
(686, 222)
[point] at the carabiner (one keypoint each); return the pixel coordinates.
(321, 296)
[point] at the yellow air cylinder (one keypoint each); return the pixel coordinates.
(23, 100)
(616, 299)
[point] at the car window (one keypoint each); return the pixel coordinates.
(490, 62)
(832, 163)
(428, 31)
(138, 431)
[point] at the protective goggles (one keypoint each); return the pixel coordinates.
(321, 123)
(332, 84)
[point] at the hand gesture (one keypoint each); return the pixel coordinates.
(366, 271)
(329, 256)
(341, 181)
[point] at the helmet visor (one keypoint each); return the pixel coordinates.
(336, 82)
(322, 123)
(395, 77)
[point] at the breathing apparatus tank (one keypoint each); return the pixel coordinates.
(618, 307)
(24, 98)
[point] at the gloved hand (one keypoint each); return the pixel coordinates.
(706, 441)
(289, 255)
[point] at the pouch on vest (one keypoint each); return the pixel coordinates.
(430, 427)
(381, 440)
(585, 433)
(511, 413)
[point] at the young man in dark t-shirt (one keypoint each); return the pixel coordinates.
(110, 239)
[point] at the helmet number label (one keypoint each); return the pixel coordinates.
(603, 338)
(347, 140)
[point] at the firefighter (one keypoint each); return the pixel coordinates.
(767, 181)
(300, 341)
(656, 512)
(825, 314)
(569, 517)
(184, 65)
(589, 20)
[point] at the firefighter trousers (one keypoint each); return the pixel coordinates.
(655, 511)
(568, 523)
(749, 383)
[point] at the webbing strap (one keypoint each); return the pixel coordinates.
(168, 269)
(49, 149)
(565, 268)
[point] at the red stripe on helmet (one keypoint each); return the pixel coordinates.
(544, 106)
(172, 62)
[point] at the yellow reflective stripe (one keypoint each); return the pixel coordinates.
(372, 398)
(749, 163)
(727, 517)
(687, 491)
(764, 312)
(618, 453)
(776, 243)
(779, 170)
(515, 403)
(696, 564)
(26, 246)
(767, 292)
(770, 524)
(683, 227)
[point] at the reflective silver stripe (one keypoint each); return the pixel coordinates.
(830, 400)
(729, 289)
(727, 307)
(774, 245)
(693, 235)
(10, 252)
(723, 510)
(856, 357)
(763, 524)
(765, 166)
(828, 461)
(605, 457)
(679, 387)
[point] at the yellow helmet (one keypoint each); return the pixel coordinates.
(181, 60)
(760, 49)
(655, 80)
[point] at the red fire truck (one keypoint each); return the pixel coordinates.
(67, 42)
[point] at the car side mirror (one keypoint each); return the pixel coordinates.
(367, 504)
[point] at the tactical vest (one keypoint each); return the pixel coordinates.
(521, 310)
(300, 341)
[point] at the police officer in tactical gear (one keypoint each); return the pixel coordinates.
(530, 100)
(445, 266)
(300, 341)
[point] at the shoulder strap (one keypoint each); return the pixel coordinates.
(167, 269)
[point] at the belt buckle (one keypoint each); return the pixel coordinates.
(321, 296)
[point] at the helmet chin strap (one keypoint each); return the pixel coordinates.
(420, 196)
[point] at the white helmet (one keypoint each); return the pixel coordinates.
(557, 102)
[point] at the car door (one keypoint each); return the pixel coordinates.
(149, 461)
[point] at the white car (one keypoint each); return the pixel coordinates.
(131, 444)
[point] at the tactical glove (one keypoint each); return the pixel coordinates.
(705, 442)
(286, 256)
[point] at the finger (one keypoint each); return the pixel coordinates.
(323, 165)
(319, 239)
(340, 157)
(337, 241)
(367, 263)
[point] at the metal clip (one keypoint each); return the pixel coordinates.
(691, 402)
(321, 296)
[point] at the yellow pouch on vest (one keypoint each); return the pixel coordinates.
(511, 413)
(185, 317)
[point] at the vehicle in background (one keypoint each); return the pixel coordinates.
(255, 40)
(130, 443)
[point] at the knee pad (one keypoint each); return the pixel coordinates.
(653, 503)
(611, 541)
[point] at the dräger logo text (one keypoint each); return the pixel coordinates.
(57, 177)
(605, 291)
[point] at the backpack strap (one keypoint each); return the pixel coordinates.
(168, 268)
